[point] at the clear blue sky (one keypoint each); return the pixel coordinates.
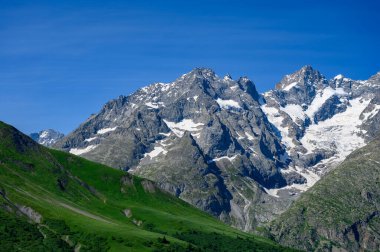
(60, 61)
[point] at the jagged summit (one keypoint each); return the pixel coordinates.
(306, 70)
(304, 77)
(227, 77)
(47, 137)
(202, 72)
(375, 77)
(299, 87)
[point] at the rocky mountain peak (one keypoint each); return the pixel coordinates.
(306, 68)
(227, 77)
(299, 87)
(47, 137)
(200, 72)
(340, 81)
(375, 77)
(304, 77)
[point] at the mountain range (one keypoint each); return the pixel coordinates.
(55, 201)
(220, 145)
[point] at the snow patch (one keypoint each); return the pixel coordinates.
(44, 134)
(165, 134)
(311, 179)
(233, 88)
(372, 113)
(249, 136)
(165, 86)
(290, 86)
(185, 125)
(224, 157)
(227, 78)
(276, 119)
(105, 130)
(240, 136)
(155, 105)
(79, 151)
(338, 77)
(295, 111)
(90, 139)
(226, 104)
(155, 152)
(272, 192)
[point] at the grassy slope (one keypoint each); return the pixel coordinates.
(83, 202)
(342, 210)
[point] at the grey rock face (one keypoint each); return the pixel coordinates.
(47, 137)
(301, 87)
(223, 147)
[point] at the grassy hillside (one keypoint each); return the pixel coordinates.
(342, 211)
(54, 201)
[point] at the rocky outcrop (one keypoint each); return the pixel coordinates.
(30, 213)
(127, 212)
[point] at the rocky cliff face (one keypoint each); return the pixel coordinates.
(341, 212)
(220, 145)
(47, 137)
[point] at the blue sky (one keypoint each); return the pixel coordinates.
(60, 61)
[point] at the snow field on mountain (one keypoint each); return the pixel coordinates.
(226, 104)
(80, 151)
(185, 125)
(105, 130)
(339, 133)
(155, 152)
(276, 119)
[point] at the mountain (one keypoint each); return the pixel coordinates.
(203, 138)
(218, 144)
(341, 212)
(55, 201)
(47, 137)
(321, 121)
